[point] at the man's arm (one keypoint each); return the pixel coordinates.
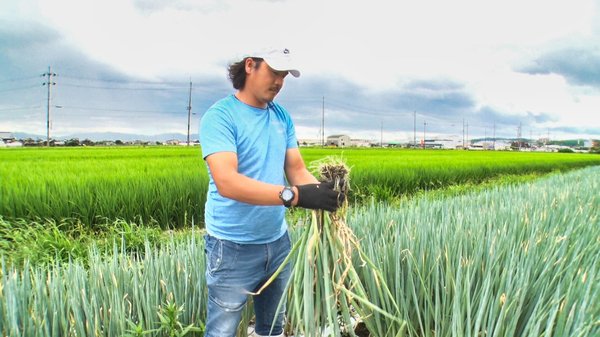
(295, 170)
(233, 185)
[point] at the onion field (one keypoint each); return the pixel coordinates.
(517, 260)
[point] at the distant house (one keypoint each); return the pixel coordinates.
(339, 140)
(309, 142)
(7, 137)
(501, 145)
(482, 145)
(440, 144)
(16, 143)
(8, 140)
(360, 142)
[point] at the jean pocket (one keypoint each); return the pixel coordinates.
(214, 253)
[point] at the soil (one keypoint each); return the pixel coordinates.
(361, 330)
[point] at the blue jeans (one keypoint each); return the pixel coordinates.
(232, 271)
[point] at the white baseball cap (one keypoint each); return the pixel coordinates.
(278, 59)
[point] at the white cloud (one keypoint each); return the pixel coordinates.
(375, 42)
(379, 45)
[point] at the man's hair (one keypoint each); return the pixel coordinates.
(237, 72)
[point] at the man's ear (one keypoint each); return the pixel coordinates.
(249, 65)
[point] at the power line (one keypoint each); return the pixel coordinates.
(141, 89)
(136, 85)
(20, 88)
(89, 79)
(21, 108)
(18, 79)
(115, 109)
(119, 88)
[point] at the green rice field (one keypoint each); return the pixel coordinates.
(167, 185)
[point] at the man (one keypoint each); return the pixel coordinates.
(256, 171)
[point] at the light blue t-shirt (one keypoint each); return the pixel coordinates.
(260, 138)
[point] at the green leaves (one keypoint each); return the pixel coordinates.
(519, 260)
(326, 296)
(514, 260)
(162, 289)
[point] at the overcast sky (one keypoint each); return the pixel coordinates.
(125, 65)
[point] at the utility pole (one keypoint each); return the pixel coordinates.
(381, 136)
(463, 134)
(415, 129)
(530, 137)
(424, 126)
(189, 109)
(494, 135)
(467, 134)
(485, 142)
(323, 123)
(49, 83)
(519, 136)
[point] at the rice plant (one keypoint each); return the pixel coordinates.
(167, 185)
(163, 185)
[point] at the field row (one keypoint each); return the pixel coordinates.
(168, 185)
(508, 261)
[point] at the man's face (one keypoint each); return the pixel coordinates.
(263, 82)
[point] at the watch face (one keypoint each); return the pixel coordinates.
(287, 195)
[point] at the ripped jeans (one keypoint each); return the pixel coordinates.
(232, 271)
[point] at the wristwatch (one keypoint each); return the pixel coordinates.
(287, 196)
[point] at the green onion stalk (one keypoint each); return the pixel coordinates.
(325, 296)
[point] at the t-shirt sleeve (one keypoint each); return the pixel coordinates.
(292, 141)
(217, 133)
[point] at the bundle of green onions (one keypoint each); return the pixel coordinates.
(325, 295)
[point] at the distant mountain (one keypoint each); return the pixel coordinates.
(98, 136)
(23, 135)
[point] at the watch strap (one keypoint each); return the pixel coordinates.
(287, 203)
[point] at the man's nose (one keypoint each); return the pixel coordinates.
(279, 79)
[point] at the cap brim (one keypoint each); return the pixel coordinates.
(294, 72)
(283, 65)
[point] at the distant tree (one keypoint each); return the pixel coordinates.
(567, 150)
(29, 142)
(515, 145)
(595, 146)
(87, 142)
(72, 142)
(118, 142)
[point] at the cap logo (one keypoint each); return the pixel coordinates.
(286, 51)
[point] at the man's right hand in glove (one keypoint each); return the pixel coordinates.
(319, 196)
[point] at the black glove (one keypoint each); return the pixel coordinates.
(319, 196)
